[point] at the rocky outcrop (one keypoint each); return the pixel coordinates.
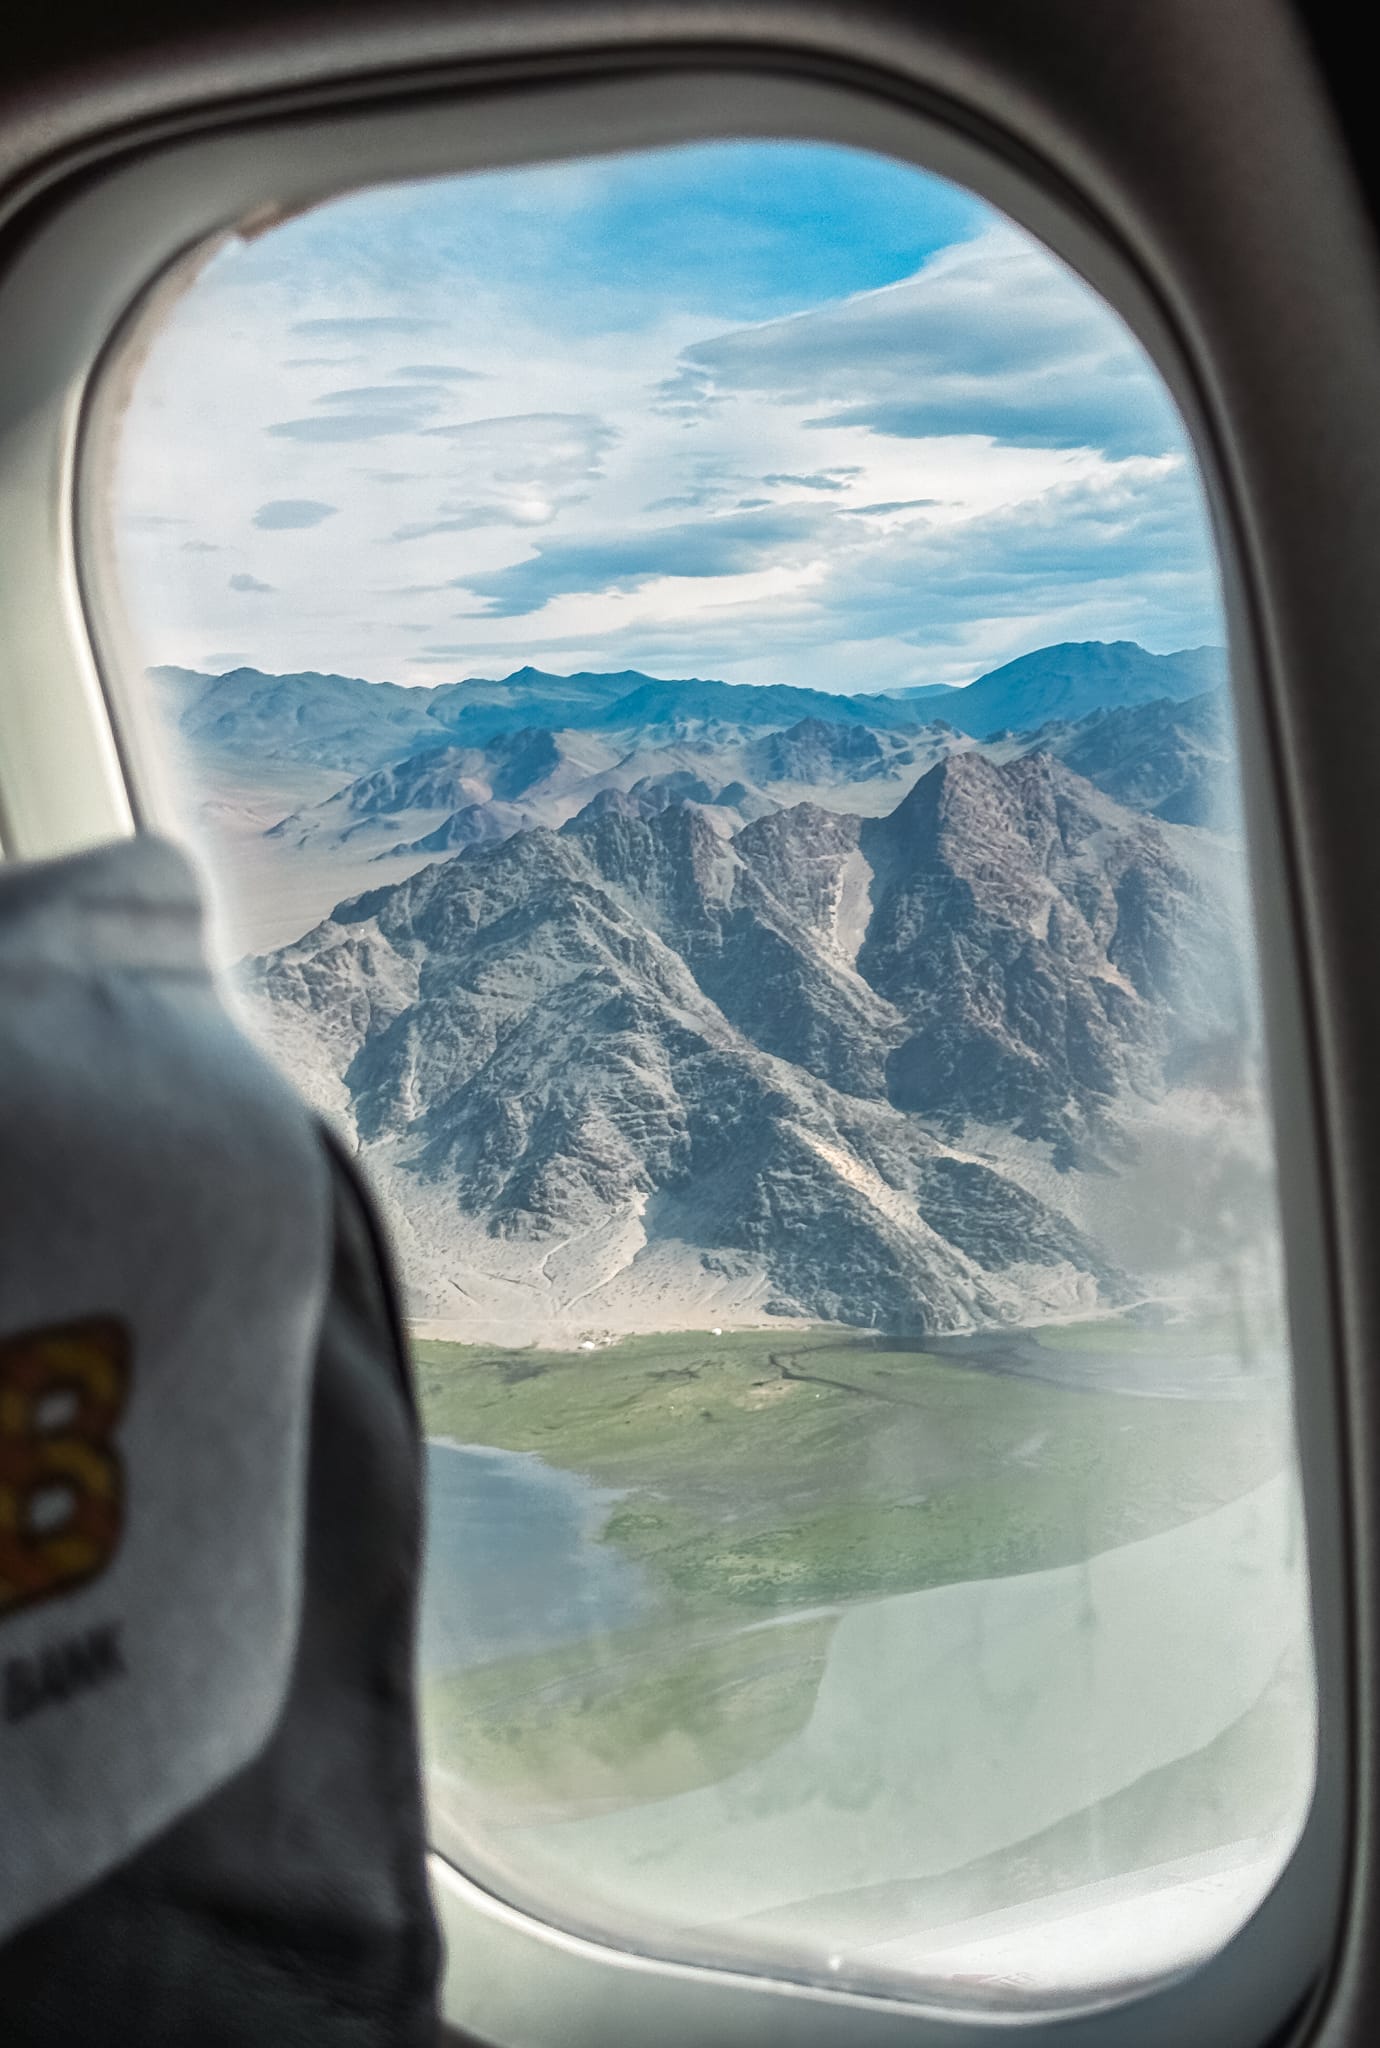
(1046, 949)
(1174, 760)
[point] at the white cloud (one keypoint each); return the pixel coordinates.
(290, 514)
(890, 488)
(993, 337)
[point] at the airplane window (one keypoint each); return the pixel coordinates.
(700, 680)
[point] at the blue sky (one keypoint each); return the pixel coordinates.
(767, 411)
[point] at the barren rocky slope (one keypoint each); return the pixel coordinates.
(638, 1070)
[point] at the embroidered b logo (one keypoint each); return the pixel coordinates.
(62, 1392)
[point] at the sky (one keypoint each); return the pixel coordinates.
(770, 412)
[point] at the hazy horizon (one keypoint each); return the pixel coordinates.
(565, 675)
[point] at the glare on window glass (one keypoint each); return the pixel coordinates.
(700, 682)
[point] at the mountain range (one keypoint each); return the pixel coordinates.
(437, 778)
(347, 723)
(671, 1015)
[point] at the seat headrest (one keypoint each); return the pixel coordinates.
(164, 1251)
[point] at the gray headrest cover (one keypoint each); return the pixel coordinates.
(164, 1234)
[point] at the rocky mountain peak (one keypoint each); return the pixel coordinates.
(672, 861)
(1020, 925)
(800, 856)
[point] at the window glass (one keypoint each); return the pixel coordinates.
(700, 682)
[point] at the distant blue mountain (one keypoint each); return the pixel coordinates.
(345, 722)
(751, 704)
(478, 708)
(1070, 681)
(323, 720)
